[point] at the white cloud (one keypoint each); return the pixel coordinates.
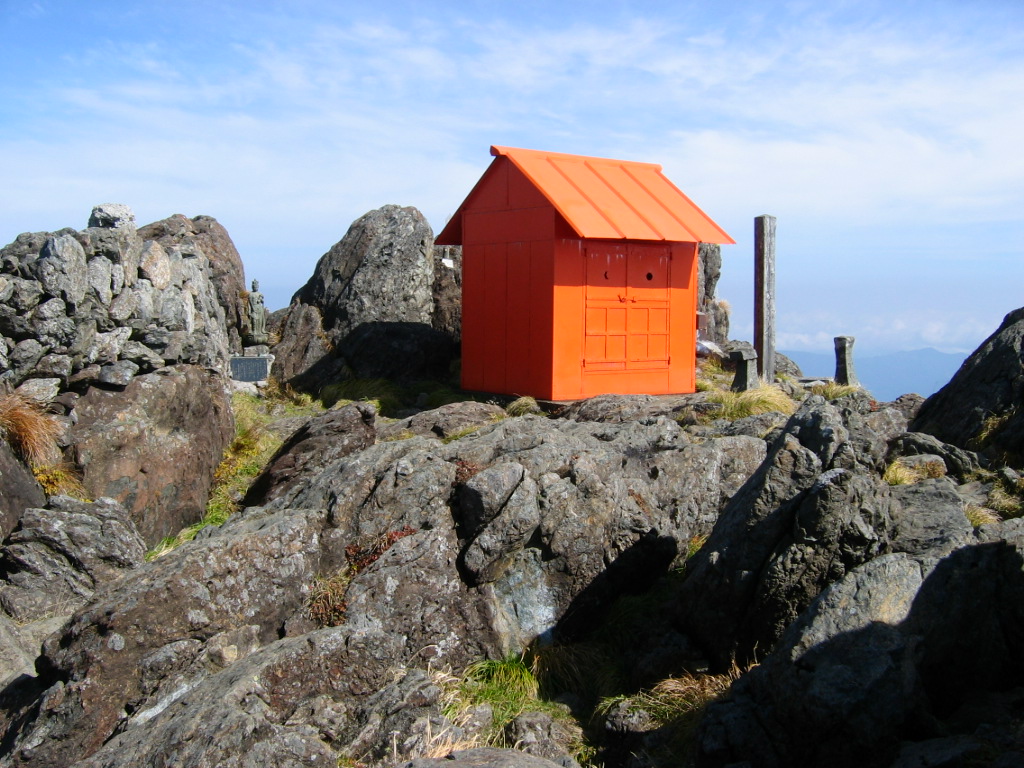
(294, 126)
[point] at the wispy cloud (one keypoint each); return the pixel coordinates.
(851, 123)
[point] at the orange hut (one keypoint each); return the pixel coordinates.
(579, 277)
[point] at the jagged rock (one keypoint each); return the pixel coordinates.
(979, 408)
(154, 445)
(206, 235)
(304, 349)
(72, 299)
(58, 556)
(959, 463)
(18, 490)
(257, 711)
(322, 440)
(381, 271)
(446, 421)
(929, 520)
(255, 571)
(884, 658)
(839, 687)
(709, 269)
(622, 408)
(446, 315)
(541, 735)
(617, 502)
(803, 520)
(398, 351)
(400, 718)
(112, 215)
(484, 757)
(371, 299)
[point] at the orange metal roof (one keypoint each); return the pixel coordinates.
(614, 199)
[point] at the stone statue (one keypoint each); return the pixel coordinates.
(257, 315)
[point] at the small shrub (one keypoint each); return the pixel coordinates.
(898, 473)
(326, 603)
(460, 433)
(693, 545)
(30, 432)
(61, 479)
(277, 392)
(507, 685)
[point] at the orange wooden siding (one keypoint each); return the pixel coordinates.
(579, 277)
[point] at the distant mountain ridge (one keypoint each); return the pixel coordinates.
(890, 375)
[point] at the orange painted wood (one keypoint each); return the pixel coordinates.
(579, 277)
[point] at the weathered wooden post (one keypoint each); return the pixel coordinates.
(844, 361)
(764, 296)
(746, 370)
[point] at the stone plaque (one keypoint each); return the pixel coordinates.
(250, 368)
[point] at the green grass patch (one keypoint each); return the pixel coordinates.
(388, 397)
(250, 450)
(509, 687)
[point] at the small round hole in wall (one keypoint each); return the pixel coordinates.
(650, 276)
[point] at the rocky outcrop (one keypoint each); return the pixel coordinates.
(18, 490)
(153, 445)
(716, 313)
(54, 562)
(122, 333)
(892, 661)
(204, 235)
(807, 517)
(980, 408)
(104, 304)
(446, 316)
(319, 441)
(380, 303)
(468, 546)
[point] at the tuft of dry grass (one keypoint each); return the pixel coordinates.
(677, 704)
(1008, 505)
(830, 390)
(979, 516)
(762, 399)
(31, 432)
(990, 428)
(522, 406)
(899, 473)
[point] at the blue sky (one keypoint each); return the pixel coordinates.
(886, 137)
